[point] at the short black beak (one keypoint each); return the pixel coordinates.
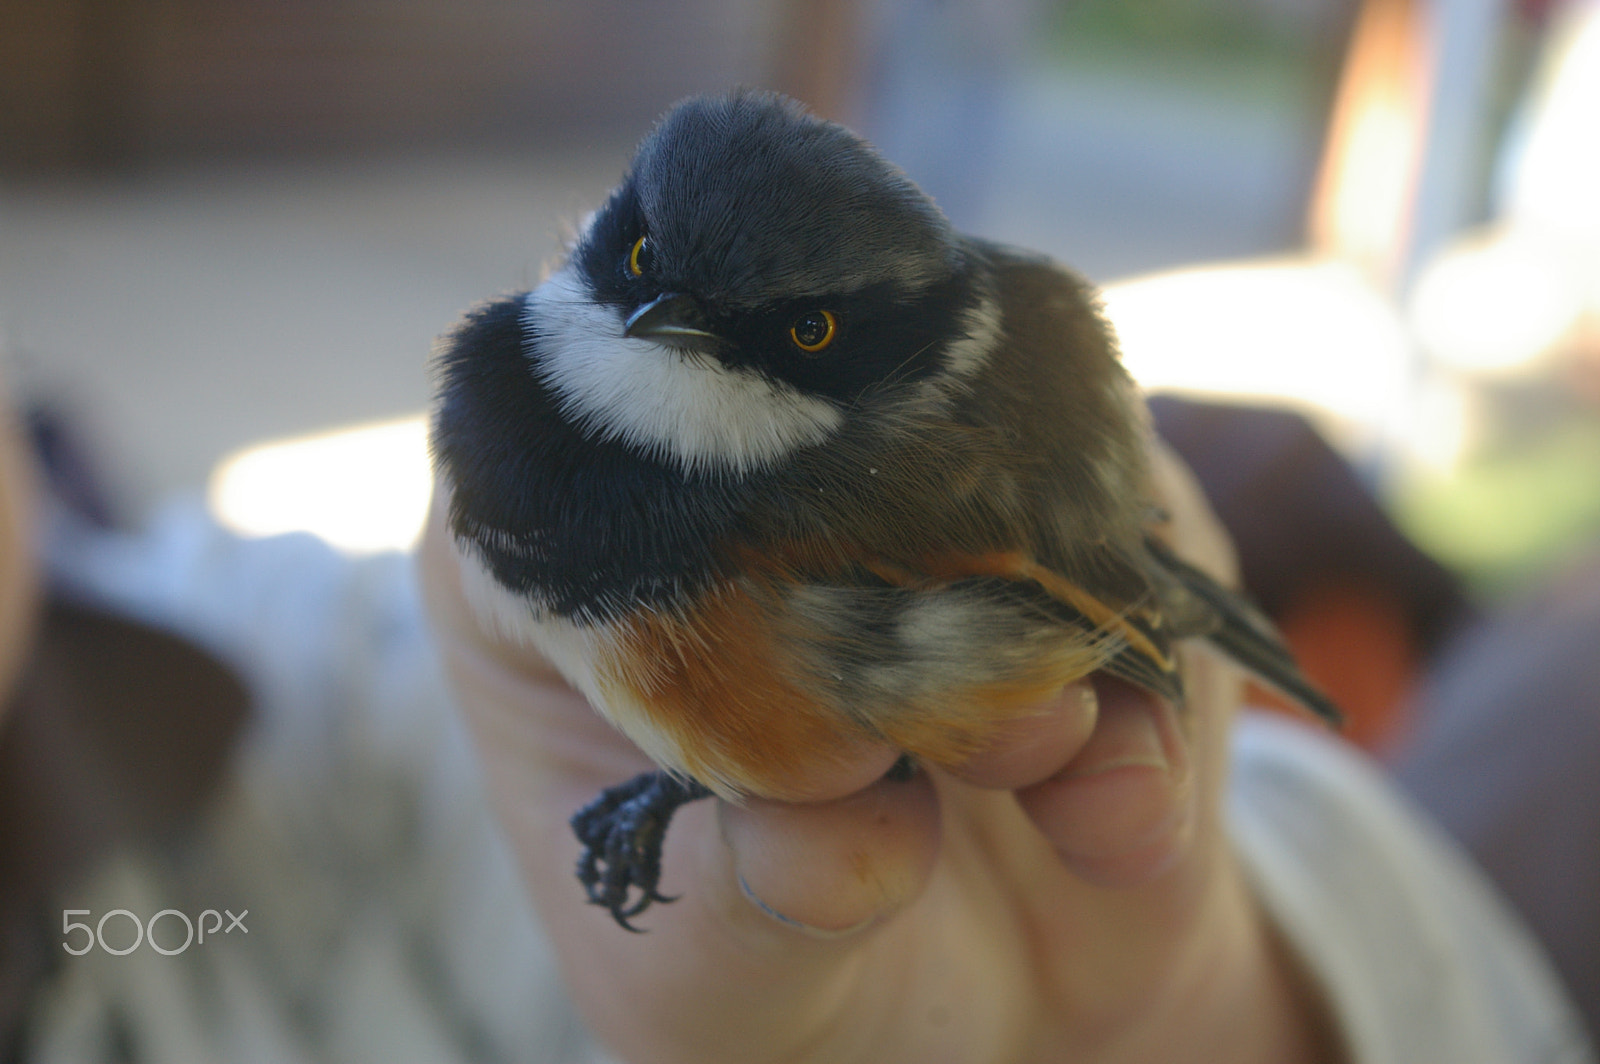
(674, 319)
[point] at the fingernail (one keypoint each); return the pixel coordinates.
(1133, 740)
(795, 925)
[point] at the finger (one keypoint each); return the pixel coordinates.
(1033, 747)
(853, 764)
(1121, 811)
(831, 869)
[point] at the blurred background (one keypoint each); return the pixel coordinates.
(1353, 246)
(236, 223)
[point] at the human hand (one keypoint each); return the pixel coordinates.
(1067, 894)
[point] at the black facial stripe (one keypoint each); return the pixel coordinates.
(602, 257)
(883, 336)
(884, 332)
(586, 525)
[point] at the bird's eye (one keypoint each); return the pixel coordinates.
(814, 331)
(640, 257)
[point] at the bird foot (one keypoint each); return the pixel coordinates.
(622, 832)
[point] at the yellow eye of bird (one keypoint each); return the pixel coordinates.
(814, 331)
(639, 257)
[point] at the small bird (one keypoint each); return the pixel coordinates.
(777, 463)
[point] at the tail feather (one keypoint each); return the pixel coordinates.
(1247, 636)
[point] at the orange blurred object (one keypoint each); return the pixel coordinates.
(1355, 641)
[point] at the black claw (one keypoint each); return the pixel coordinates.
(622, 832)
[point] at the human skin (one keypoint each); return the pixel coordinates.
(1068, 894)
(19, 582)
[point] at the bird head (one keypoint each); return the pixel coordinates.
(757, 272)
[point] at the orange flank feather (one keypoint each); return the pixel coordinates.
(965, 720)
(752, 703)
(716, 689)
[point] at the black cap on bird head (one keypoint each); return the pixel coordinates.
(749, 200)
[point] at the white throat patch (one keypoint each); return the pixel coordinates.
(689, 409)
